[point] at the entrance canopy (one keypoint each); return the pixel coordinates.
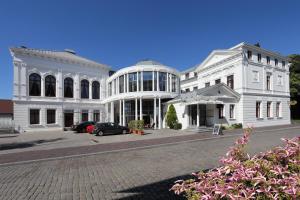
(216, 94)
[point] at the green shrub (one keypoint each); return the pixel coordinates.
(171, 117)
(235, 126)
(140, 125)
(177, 126)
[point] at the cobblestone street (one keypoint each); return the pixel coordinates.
(131, 174)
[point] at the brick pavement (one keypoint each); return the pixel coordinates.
(136, 174)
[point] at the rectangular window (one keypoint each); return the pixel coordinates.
(207, 84)
(230, 81)
(51, 116)
(195, 88)
(34, 116)
(162, 81)
(96, 116)
(174, 80)
(259, 57)
(217, 81)
(109, 89)
(269, 104)
(268, 60)
(268, 79)
(121, 84)
(255, 76)
(276, 62)
(258, 109)
(187, 75)
(283, 64)
(195, 74)
(133, 82)
(84, 116)
(231, 111)
(249, 55)
(187, 90)
(278, 109)
(221, 110)
(147, 81)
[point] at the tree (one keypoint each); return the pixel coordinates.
(295, 84)
(171, 117)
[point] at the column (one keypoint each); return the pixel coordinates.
(136, 110)
(168, 80)
(90, 89)
(159, 113)
(123, 113)
(171, 82)
(112, 111)
(198, 116)
(138, 81)
(127, 82)
(157, 81)
(23, 84)
(153, 80)
(59, 84)
(120, 112)
(141, 109)
(155, 113)
(142, 79)
(90, 115)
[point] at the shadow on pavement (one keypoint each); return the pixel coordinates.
(157, 190)
(20, 145)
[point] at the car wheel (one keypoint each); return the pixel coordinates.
(100, 133)
(124, 132)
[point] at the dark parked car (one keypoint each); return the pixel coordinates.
(81, 128)
(110, 129)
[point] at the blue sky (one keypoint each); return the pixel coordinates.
(179, 34)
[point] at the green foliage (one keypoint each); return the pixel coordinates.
(171, 117)
(140, 125)
(136, 125)
(177, 126)
(295, 75)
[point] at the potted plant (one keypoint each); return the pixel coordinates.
(140, 127)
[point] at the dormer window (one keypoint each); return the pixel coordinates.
(276, 62)
(268, 60)
(259, 57)
(249, 55)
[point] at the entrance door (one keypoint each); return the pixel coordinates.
(193, 115)
(68, 118)
(202, 113)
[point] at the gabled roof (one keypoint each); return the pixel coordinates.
(222, 54)
(218, 91)
(67, 55)
(6, 106)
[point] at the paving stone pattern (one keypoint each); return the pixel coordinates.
(135, 174)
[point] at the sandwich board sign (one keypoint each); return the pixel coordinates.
(217, 129)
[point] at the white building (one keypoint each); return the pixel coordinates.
(255, 89)
(56, 89)
(244, 84)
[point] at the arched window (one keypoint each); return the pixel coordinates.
(34, 85)
(96, 90)
(50, 86)
(68, 87)
(84, 89)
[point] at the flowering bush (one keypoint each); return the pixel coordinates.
(274, 174)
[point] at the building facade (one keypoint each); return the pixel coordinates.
(244, 84)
